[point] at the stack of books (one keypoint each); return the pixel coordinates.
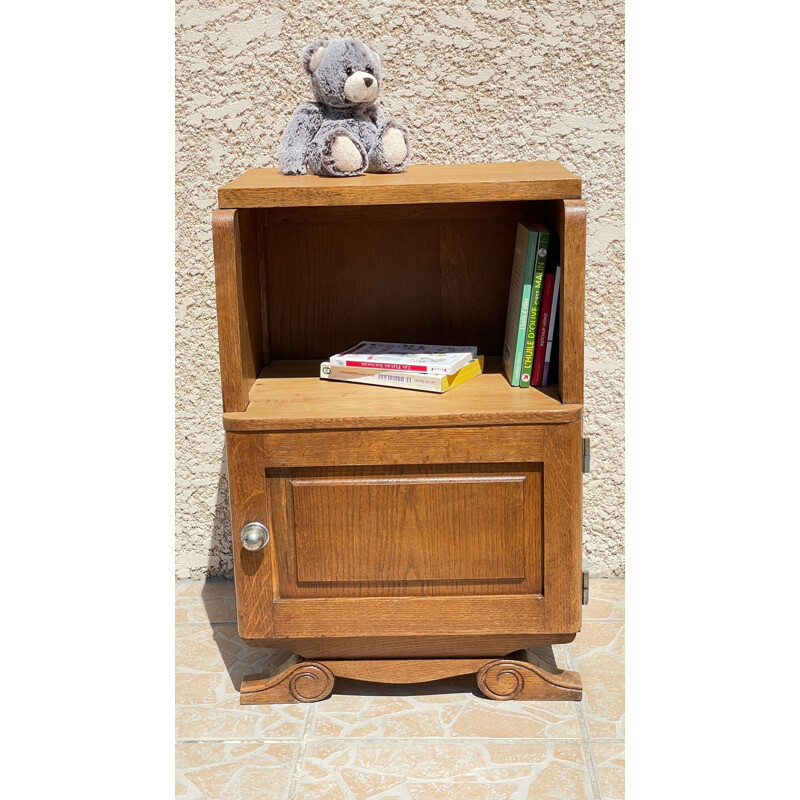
(532, 305)
(425, 367)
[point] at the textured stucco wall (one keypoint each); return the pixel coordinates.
(482, 81)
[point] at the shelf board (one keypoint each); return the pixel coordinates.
(289, 395)
(423, 183)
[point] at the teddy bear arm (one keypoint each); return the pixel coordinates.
(299, 133)
(375, 114)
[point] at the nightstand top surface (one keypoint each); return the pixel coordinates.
(422, 183)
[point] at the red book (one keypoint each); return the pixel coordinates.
(544, 321)
(385, 365)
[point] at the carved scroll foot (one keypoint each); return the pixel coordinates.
(294, 681)
(523, 676)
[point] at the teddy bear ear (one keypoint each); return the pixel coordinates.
(312, 55)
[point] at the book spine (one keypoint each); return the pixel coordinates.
(533, 316)
(404, 380)
(551, 326)
(527, 355)
(544, 327)
(524, 307)
(514, 295)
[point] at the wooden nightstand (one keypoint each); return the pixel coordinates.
(398, 536)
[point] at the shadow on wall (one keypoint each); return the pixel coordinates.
(220, 553)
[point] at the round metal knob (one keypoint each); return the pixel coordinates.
(254, 536)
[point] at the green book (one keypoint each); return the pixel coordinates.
(532, 327)
(519, 298)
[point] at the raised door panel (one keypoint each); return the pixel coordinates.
(407, 530)
(449, 523)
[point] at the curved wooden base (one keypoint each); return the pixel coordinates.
(523, 676)
(293, 681)
(519, 676)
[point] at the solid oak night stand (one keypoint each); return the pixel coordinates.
(384, 534)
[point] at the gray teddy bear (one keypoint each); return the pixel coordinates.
(343, 133)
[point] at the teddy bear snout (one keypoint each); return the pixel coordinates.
(361, 87)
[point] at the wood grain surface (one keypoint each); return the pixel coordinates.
(291, 396)
(422, 183)
(368, 446)
(520, 676)
(448, 529)
(337, 279)
(269, 589)
(297, 680)
(563, 512)
(417, 670)
(369, 525)
(414, 646)
(571, 222)
(238, 304)
(292, 681)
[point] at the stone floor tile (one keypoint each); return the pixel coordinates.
(598, 654)
(606, 599)
(414, 742)
(205, 601)
(210, 664)
(609, 764)
(446, 770)
(234, 770)
(452, 708)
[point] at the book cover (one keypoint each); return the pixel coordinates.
(544, 327)
(417, 358)
(400, 379)
(532, 327)
(551, 327)
(519, 295)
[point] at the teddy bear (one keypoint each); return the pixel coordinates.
(343, 133)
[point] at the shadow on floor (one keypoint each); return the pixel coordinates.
(242, 660)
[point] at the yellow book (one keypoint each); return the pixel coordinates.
(401, 380)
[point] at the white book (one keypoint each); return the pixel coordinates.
(423, 359)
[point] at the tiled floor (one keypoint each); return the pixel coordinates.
(431, 741)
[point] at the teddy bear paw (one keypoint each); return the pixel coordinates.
(346, 155)
(394, 146)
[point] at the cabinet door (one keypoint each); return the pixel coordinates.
(477, 532)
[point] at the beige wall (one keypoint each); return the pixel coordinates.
(482, 81)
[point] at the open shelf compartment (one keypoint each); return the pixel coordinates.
(302, 282)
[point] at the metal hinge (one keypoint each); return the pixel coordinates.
(585, 454)
(585, 599)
